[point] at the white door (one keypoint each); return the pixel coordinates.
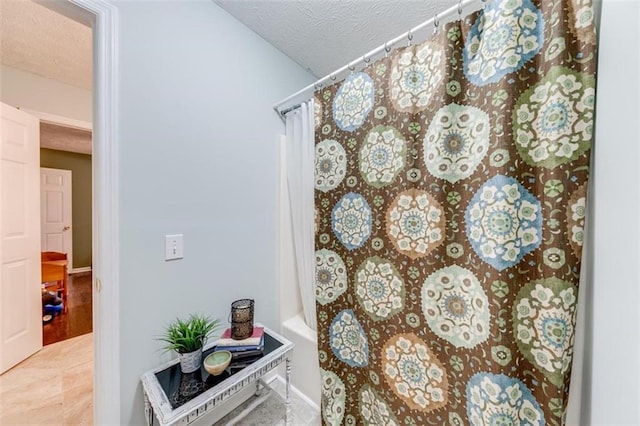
(55, 211)
(20, 297)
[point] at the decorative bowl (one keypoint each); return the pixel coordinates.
(216, 362)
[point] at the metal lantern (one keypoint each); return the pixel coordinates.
(242, 319)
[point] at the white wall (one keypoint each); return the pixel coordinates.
(198, 155)
(611, 381)
(25, 90)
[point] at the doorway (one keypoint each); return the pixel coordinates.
(49, 75)
(65, 211)
(101, 16)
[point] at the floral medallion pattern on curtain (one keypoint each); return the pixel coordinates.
(451, 182)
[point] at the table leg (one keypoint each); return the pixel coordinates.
(148, 410)
(288, 415)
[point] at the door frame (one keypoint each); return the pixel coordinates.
(102, 17)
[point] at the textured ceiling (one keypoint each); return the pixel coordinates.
(40, 41)
(323, 35)
(65, 138)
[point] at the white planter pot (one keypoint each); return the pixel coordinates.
(191, 361)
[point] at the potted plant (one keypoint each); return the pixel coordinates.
(188, 337)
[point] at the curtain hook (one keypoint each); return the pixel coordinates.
(436, 22)
(365, 59)
(332, 77)
(459, 9)
(387, 49)
(410, 37)
(352, 67)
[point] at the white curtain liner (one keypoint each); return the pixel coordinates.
(300, 138)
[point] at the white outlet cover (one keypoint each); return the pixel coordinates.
(173, 246)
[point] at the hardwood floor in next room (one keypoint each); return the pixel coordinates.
(78, 320)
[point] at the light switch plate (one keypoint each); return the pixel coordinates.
(173, 247)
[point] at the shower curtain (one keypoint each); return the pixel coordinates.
(450, 190)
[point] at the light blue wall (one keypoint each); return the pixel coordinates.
(612, 374)
(198, 155)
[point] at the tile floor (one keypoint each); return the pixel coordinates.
(52, 387)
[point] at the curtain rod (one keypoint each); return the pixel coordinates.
(435, 21)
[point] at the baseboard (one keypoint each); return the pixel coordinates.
(79, 270)
(299, 394)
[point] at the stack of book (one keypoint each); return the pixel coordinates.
(250, 347)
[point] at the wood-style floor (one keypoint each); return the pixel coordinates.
(52, 387)
(78, 320)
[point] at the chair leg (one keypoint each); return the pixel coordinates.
(65, 282)
(64, 295)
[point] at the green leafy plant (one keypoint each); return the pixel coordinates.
(184, 336)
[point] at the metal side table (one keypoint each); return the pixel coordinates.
(174, 398)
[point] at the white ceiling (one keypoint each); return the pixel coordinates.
(323, 35)
(40, 41)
